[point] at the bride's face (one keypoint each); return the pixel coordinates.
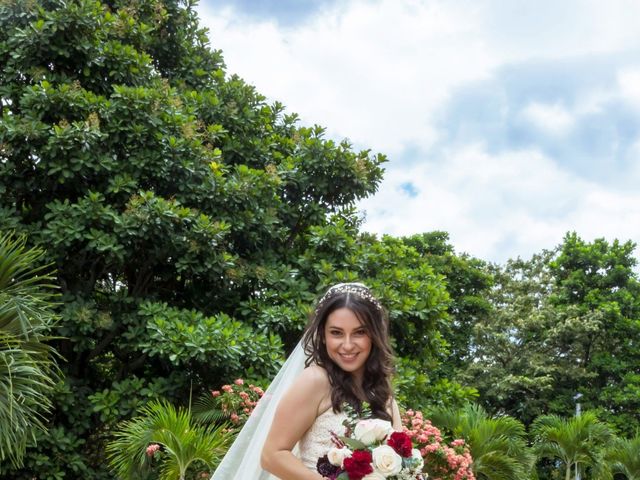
(347, 341)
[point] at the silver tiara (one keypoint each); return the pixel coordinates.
(359, 289)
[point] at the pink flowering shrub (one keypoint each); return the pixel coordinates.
(237, 401)
(442, 460)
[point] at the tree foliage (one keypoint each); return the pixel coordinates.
(596, 287)
(564, 328)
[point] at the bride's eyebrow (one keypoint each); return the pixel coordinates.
(361, 327)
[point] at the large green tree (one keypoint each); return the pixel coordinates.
(516, 367)
(469, 283)
(190, 221)
(562, 330)
(595, 286)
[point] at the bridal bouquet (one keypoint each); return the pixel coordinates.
(372, 450)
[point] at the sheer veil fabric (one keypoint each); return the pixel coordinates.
(242, 461)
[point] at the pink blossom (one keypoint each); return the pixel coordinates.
(239, 381)
(215, 393)
(227, 388)
(152, 449)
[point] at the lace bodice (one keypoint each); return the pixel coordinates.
(316, 442)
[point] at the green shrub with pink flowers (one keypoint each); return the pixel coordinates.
(442, 460)
(233, 402)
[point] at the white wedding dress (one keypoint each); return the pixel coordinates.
(316, 442)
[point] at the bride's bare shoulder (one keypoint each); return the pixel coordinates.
(313, 382)
(313, 385)
(315, 377)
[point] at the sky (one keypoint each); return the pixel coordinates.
(506, 123)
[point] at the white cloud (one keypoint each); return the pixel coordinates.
(629, 84)
(555, 30)
(552, 119)
(374, 72)
(500, 206)
(379, 72)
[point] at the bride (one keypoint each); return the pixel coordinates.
(348, 356)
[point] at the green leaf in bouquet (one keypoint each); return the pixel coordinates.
(353, 443)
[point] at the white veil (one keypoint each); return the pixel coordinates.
(242, 460)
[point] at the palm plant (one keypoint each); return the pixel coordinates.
(497, 444)
(168, 437)
(28, 369)
(577, 442)
(623, 457)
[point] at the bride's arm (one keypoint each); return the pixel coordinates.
(295, 414)
(396, 420)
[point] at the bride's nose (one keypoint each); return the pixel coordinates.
(348, 342)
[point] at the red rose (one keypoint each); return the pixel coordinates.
(401, 443)
(359, 464)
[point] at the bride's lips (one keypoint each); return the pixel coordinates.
(348, 357)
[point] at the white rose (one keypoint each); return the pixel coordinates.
(337, 455)
(372, 430)
(386, 460)
(374, 476)
(417, 457)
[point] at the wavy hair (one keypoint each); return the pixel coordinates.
(378, 368)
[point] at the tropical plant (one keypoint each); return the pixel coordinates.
(498, 445)
(167, 440)
(577, 442)
(622, 457)
(28, 370)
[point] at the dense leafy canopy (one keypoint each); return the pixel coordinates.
(564, 331)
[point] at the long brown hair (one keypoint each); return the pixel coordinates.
(378, 368)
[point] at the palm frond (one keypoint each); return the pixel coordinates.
(497, 444)
(28, 370)
(206, 410)
(183, 443)
(623, 457)
(573, 441)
